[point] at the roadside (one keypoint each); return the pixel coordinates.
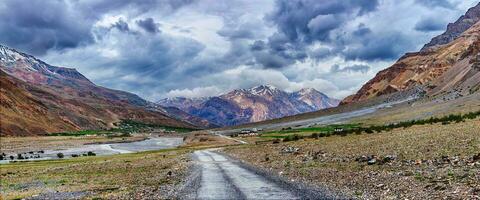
(422, 161)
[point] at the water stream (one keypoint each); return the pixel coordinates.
(102, 149)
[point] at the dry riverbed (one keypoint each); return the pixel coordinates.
(26, 144)
(428, 161)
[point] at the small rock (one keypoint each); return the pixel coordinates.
(362, 158)
(290, 150)
(389, 158)
(372, 161)
(418, 162)
(476, 157)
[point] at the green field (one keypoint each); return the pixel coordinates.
(307, 131)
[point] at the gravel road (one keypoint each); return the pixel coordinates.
(217, 176)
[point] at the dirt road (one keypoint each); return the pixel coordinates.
(219, 177)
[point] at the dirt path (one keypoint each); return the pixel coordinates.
(219, 177)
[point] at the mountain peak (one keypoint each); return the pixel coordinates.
(308, 90)
(264, 90)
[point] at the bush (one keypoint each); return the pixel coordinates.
(368, 130)
(60, 155)
(20, 156)
(315, 135)
(292, 138)
(91, 154)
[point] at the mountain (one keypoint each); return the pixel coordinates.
(454, 30)
(252, 105)
(446, 68)
(182, 103)
(37, 98)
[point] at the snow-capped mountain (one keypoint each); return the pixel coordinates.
(252, 105)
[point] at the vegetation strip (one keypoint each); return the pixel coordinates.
(346, 129)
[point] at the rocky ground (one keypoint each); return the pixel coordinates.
(429, 161)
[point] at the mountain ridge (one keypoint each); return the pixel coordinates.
(66, 100)
(442, 71)
(253, 104)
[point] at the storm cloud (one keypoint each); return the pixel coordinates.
(164, 48)
(430, 24)
(149, 25)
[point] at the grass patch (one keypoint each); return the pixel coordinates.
(305, 132)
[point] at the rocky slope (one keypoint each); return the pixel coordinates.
(456, 29)
(37, 98)
(444, 71)
(252, 105)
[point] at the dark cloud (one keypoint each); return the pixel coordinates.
(352, 68)
(312, 20)
(430, 24)
(149, 25)
(362, 30)
(39, 25)
(320, 53)
(436, 3)
(233, 31)
(97, 7)
(303, 22)
(121, 26)
(258, 45)
(372, 47)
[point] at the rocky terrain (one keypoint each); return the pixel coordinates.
(424, 161)
(37, 98)
(252, 105)
(455, 29)
(446, 67)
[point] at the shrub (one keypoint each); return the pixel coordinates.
(368, 130)
(91, 154)
(60, 155)
(20, 156)
(292, 138)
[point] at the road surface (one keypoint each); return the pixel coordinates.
(220, 177)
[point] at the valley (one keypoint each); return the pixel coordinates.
(225, 100)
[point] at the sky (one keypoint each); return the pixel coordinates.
(197, 48)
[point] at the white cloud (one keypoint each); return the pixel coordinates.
(195, 92)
